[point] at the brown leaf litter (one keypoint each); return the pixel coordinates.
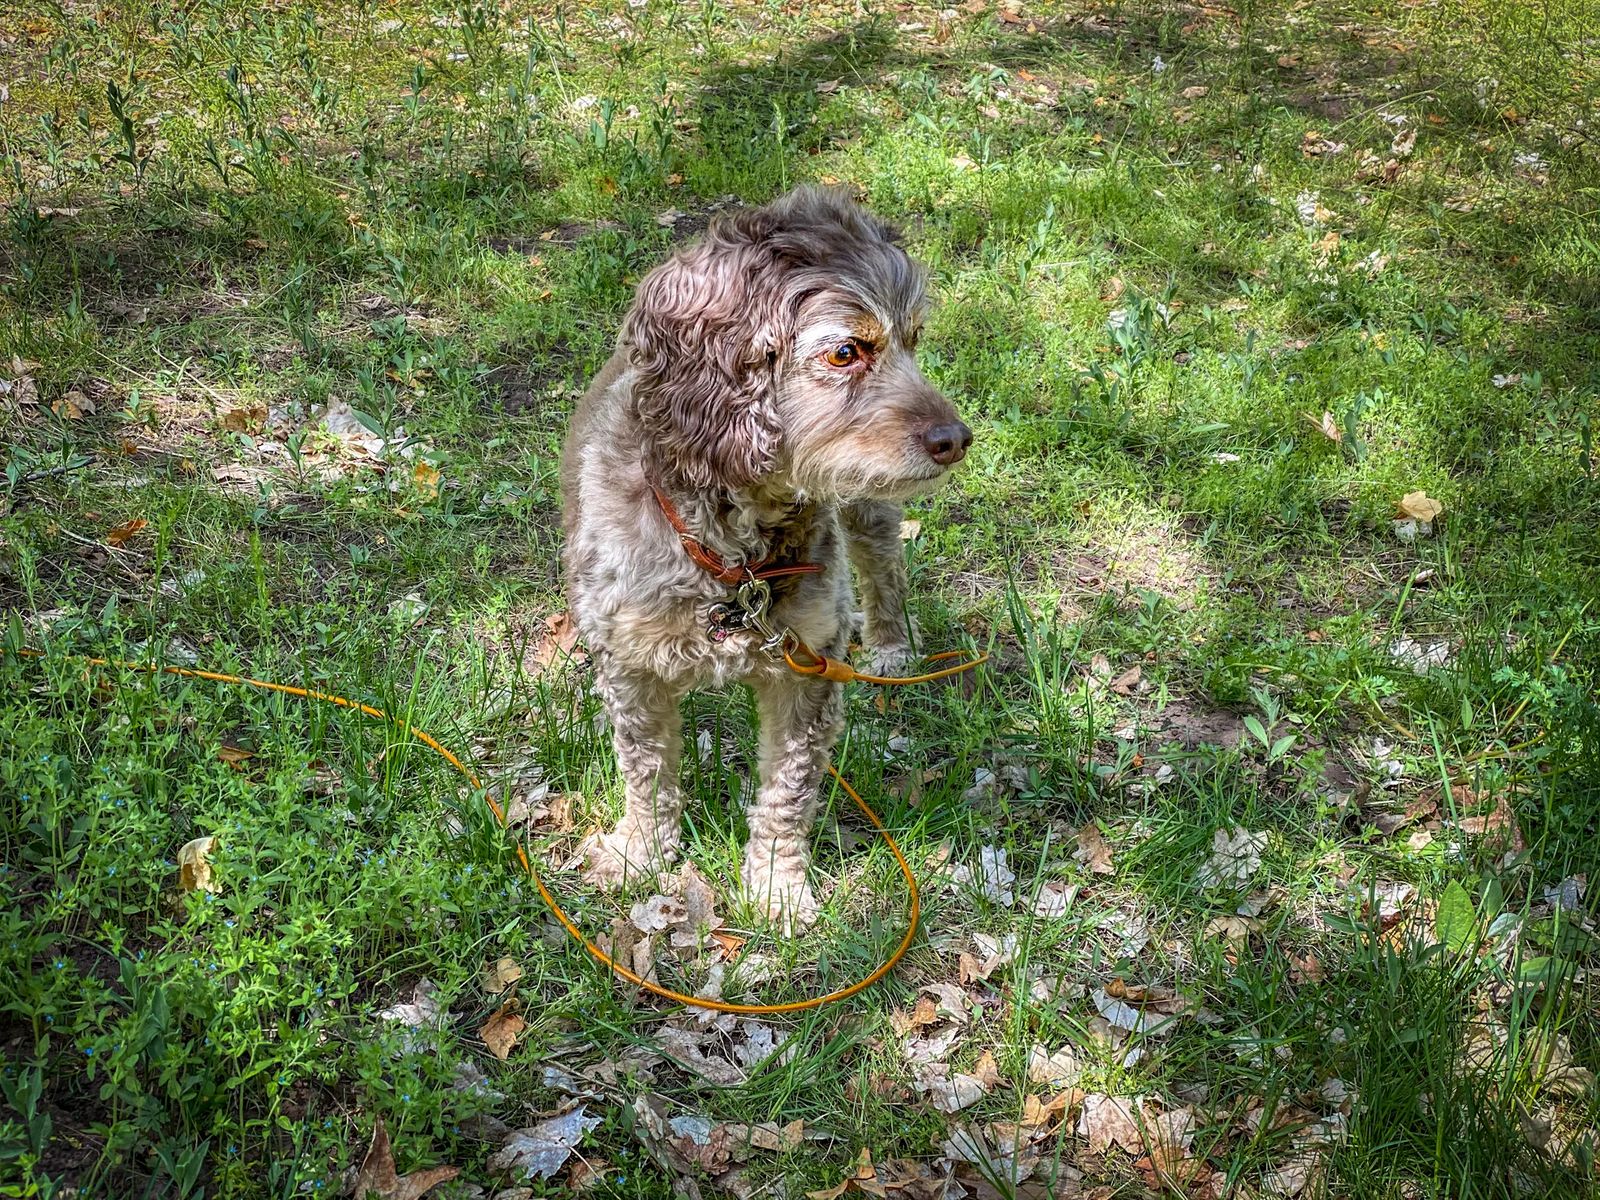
(377, 1176)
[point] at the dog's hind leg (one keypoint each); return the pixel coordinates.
(801, 718)
(873, 535)
(647, 731)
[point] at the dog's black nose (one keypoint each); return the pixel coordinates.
(947, 444)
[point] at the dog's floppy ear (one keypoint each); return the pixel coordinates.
(704, 335)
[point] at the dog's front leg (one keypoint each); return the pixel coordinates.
(647, 731)
(872, 530)
(801, 718)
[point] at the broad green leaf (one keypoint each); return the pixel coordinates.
(1456, 919)
(1538, 970)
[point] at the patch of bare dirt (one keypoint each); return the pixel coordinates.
(1192, 724)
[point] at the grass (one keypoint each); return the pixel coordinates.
(1167, 240)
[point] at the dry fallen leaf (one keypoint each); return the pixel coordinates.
(234, 755)
(557, 642)
(1040, 1113)
(1146, 1011)
(1124, 684)
(1235, 857)
(1108, 1121)
(72, 406)
(194, 866)
(122, 533)
(986, 1071)
(500, 975)
(728, 943)
(376, 1175)
(1168, 1137)
(501, 1031)
(1497, 826)
(1314, 145)
(1054, 898)
(1093, 851)
(1326, 426)
(700, 1142)
(1290, 1177)
(539, 1151)
(910, 529)
(1234, 929)
(1059, 1070)
(422, 1010)
(862, 1171)
(240, 420)
(1306, 970)
(1419, 506)
(780, 1139)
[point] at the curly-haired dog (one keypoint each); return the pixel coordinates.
(762, 415)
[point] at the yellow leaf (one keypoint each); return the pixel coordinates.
(120, 535)
(425, 478)
(1420, 506)
(194, 866)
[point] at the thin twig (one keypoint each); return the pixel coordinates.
(52, 471)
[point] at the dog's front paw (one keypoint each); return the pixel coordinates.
(782, 892)
(890, 661)
(618, 859)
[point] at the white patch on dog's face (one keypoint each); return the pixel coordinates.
(856, 408)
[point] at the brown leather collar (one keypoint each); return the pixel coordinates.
(712, 563)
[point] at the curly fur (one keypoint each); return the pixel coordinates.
(720, 391)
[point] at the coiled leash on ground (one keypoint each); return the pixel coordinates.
(810, 664)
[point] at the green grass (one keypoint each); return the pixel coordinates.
(221, 220)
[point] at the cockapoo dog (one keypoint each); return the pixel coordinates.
(763, 414)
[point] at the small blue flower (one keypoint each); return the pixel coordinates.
(88, 1051)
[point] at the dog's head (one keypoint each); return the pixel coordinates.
(780, 350)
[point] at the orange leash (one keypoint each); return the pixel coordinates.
(554, 905)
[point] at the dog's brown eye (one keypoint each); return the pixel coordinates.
(843, 355)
